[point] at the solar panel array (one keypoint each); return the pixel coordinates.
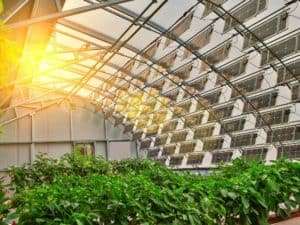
(247, 108)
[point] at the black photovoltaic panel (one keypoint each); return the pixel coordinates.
(195, 159)
(221, 157)
(184, 72)
(179, 136)
(175, 160)
(142, 123)
(199, 41)
(272, 118)
(119, 120)
(247, 86)
(168, 60)
(213, 144)
(290, 152)
(220, 113)
(255, 154)
(137, 135)
(169, 150)
(209, 7)
(152, 130)
(158, 84)
(150, 52)
(202, 132)
(169, 126)
(234, 70)
(128, 128)
(284, 75)
(262, 101)
(162, 160)
(172, 94)
(145, 144)
(182, 109)
(283, 134)
(181, 27)
(281, 49)
(232, 126)
(215, 56)
(244, 13)
(153, 153)
(199, 84)
(211, 99)
(186, 147)
(185, 105)
(296, 93)
(193, 120)
(243, 140)
(143, 76)
(161, 140)
(159, 117)
(266, 30)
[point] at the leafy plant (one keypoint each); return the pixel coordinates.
(5, 206)
(82, 190)
(45, 169)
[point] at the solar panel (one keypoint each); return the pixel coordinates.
(261, 102)
(243, 140)
(247, 86)
(193, 120)
(272, 118)
(161, 140)
(145, 144)
(169, 126)
(195, 159)
(175, 160)
(244, 13)
(169, 150)
(283, 134)
(290, 152)
(231, 126)
(202, 132)
(199, 41)
(280, 49)
(220, 113)
(255, 154)
(209, 7)
(186, 147)
(267, 29)
(284, 75)
(213, 144)
(220, 157)
(234, 70)
(181, 27)
(217, 55)
(179, 136)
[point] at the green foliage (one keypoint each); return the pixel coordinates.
(83, 190)
(3, 207)
(45, 169)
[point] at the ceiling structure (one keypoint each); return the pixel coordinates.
(146, 63)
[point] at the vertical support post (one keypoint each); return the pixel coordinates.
(107, 140)
(71, 124)
(32, 145)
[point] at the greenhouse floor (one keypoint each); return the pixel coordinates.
(293, 221)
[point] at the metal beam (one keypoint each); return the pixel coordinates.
(93, 33)
(62, 14)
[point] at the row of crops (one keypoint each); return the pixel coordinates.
(86, 190)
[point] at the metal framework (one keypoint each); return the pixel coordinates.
(100, 52)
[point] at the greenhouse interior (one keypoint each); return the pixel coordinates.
(149, 112)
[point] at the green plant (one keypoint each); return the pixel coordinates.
(83, 190)
(5, 206)
(45, 169)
